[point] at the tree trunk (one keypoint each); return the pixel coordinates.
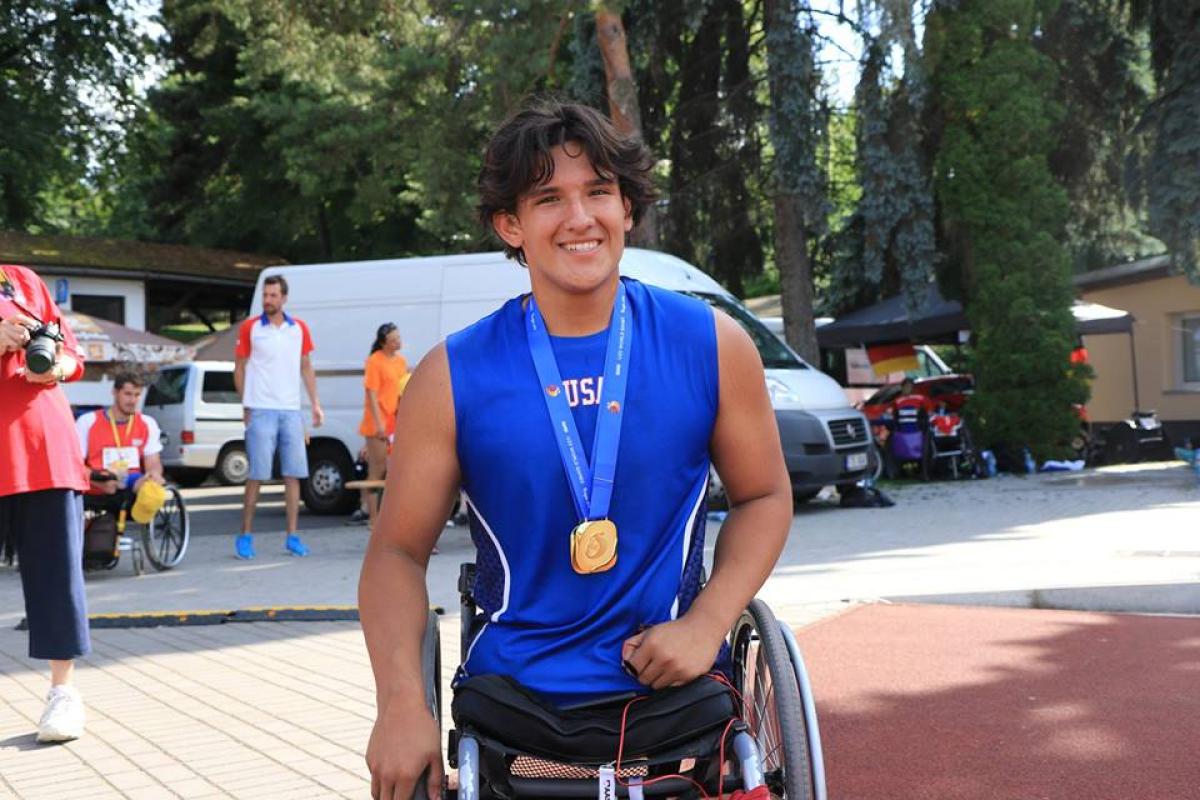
(623, 102)
(799, 184)
(795, 281)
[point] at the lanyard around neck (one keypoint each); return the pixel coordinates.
(591, 484)
(113, 423)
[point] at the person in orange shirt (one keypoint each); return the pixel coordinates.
(384, 381)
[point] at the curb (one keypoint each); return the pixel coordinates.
(175, 619)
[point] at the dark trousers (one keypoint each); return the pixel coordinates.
(46, 530)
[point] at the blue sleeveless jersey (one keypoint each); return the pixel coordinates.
(555, 631)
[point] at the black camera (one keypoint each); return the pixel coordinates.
(42, 348)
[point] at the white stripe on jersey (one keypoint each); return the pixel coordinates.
(687, 540)
(503, 560)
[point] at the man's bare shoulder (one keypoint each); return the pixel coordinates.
(428, 394)
(735, 348)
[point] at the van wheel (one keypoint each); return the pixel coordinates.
(329, 469)
(233, 465)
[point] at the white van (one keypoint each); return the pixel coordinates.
(825, 440)
(197, 408)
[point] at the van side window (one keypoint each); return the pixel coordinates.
(168, 388)
(218, 388)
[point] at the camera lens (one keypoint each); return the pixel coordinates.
(40, 353)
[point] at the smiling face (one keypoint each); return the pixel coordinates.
(571, 228)
(392, 343)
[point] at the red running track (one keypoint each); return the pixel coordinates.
(952, 703)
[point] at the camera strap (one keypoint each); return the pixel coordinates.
(8, 293)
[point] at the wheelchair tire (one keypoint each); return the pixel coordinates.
(431, 669)
(772, 708)
(165, 538)
(431, 666)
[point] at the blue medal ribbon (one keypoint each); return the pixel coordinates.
(591, 484)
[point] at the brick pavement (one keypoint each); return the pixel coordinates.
(247, 710)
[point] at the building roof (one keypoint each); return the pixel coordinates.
(1122, 274)
(116, 258)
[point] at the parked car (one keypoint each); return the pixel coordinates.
(825, 440)
(197, 408)
(951, 390)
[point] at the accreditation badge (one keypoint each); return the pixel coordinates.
(594, 546)
(120, 460)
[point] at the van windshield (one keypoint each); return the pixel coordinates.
(168, 388)
(774, 353)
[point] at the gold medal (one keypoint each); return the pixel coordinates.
(594, 546)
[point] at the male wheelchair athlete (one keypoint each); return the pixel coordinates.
(163, 540)
(756, 727)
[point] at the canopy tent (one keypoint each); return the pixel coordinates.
(104, 341)
(940, 320)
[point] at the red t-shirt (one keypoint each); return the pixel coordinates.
(38, 445)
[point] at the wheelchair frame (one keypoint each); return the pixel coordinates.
(163, 540)
(769, 675)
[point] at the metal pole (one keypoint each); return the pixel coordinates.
(1137, 403)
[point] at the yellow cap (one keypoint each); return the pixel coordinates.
(150, 499)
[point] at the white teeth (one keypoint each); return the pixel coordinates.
(580, 247)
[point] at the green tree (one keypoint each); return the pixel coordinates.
(1102, 89)
(66, 70)
(1004, 215)
(888, 245)
(1164, 171)
(797, 128)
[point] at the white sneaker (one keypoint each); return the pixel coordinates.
(63, 718)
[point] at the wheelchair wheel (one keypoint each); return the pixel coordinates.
(431, 668)
(772, 708)
(165, 539)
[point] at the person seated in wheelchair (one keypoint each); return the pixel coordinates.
(121, 447)
(580, 421)
(911, 406)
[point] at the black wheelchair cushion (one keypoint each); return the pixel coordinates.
(504, 711)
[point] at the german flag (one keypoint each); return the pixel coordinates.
(894, 357)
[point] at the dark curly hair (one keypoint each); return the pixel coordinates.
(519, 157)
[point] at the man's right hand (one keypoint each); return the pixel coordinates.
(405, 747)
(108, 487)
(14, 333)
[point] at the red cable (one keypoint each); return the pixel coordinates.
(719, 678)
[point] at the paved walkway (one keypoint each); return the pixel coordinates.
(240, 710)
(263, 710)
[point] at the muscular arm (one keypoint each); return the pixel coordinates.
(749, 458)
(423, 478)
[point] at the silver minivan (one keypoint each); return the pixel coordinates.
(197, 407)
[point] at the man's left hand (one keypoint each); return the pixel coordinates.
(318, 418)
(672, 653)
(52, 375)
(138, 483)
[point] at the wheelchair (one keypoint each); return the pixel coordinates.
(757, 727)
(106, 533)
